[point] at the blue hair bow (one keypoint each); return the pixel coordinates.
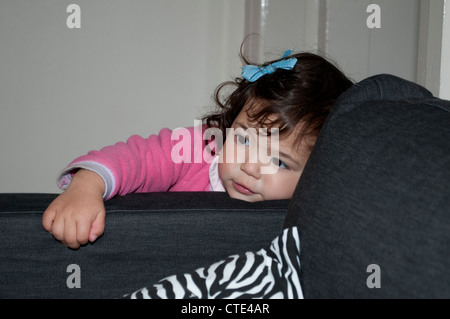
(253, 72)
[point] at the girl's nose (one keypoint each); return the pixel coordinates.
(252, 169)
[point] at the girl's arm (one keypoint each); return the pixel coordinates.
(139, 165)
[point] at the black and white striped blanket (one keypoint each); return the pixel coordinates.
(268, 273)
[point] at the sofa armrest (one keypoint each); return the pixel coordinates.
(147, 237)
(373, 203)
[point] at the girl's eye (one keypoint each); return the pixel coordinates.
(242, 139)
(279, 163)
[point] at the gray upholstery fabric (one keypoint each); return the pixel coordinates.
(376, 190)
(147, 237)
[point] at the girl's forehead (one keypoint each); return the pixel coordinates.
(296, 138)
(248, 112)
(293, 141)
(247, 119)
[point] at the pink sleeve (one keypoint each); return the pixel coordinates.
(140, 164)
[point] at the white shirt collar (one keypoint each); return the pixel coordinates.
(214, 179)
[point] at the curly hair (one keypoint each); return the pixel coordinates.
(284, 98)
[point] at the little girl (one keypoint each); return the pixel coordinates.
(286, 100)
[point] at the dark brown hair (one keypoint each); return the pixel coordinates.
(284, 98)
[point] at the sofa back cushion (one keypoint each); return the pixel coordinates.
(147, 237)
(373, 204)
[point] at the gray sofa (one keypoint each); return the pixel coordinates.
(372, 208)
(147, 237)
(376, 193)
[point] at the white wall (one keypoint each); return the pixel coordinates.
(363, 51)
(444, 89)
(133, 67)
(136, 66)
(342, 34)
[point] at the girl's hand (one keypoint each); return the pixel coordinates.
(77, 216)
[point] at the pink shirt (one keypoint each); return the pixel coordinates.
(159, 163)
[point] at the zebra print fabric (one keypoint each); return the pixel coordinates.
(268, 273)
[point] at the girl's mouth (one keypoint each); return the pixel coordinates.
(242, 189)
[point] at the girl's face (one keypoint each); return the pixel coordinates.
(255, 167)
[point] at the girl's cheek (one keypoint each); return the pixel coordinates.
(222, 174)
(225, 171)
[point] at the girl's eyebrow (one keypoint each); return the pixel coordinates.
(242, 125)
(257, 129)
(289, 157)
